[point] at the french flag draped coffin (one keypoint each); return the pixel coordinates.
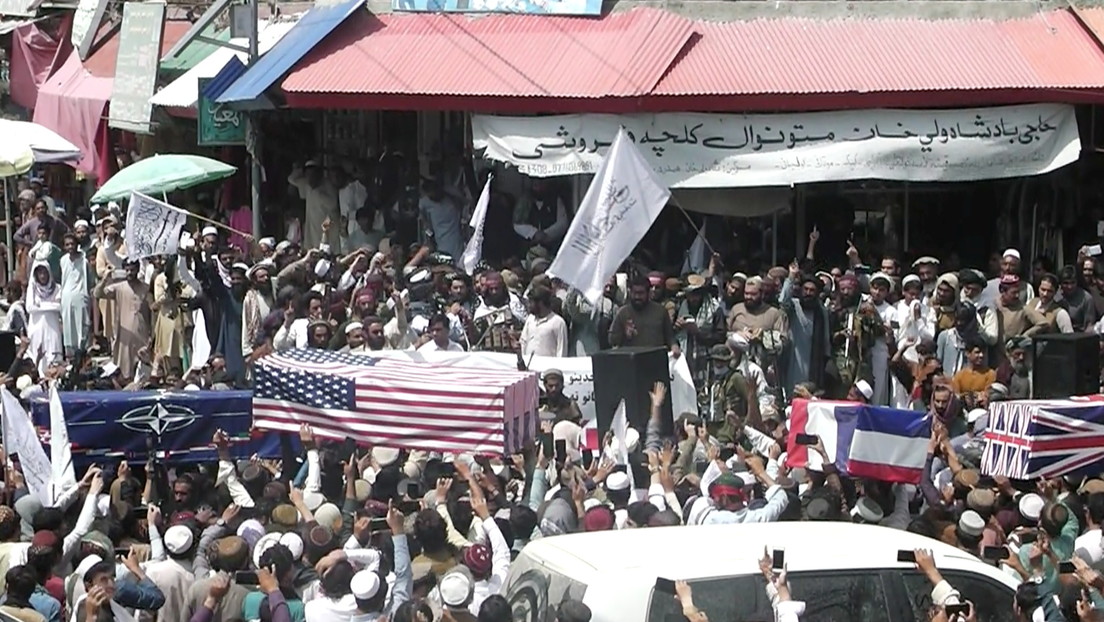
(396, 403)
(1028, 439)
(863, 441)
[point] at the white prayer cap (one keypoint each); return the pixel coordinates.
(283, 246)
(881, 276)
(365, 585)
(1031, 506)
(926, 259)
(456, 588)
(1011, 252)
(971, 523)
(975, 414)
(351, 326)
(23, 382)
(266, 542)
(113, 206)
(178, 539)
(322, 268)
(385, 456)
(186, 241)
(618, 480)
(911, 278)
(209, 231)
(192, 387)
(86, 564)
(864, 388)
(244, 267)
(80, 223)
(294, 543)
(269, 242)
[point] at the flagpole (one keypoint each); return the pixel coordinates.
(697, 231)
(206, 220)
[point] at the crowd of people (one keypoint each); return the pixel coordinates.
(398, 535)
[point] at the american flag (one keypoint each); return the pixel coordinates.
(1027, 439)
(391, 402)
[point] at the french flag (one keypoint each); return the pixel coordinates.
(886, 444)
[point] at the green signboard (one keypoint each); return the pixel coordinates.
(218, 124)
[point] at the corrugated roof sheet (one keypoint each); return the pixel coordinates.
(803, 56)
(195, 51)
(621, 55)
(183, 92)
(101, 63)
(319, 22)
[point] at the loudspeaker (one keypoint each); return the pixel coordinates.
(9, 344)
(1064, 365)
(629, 374)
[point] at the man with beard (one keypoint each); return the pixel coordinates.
(563, 407)
(1009, 266)
(725, 389)
(694, 327)
(230, 326)
(733, 295)
(374, 339)
(1077, 302)
(643, 323)
(808, 322)
(109, 263)
(880, 286)
(1015, 371)
(854, 326)
(1017, 319)
(944, 304)
(926, 268)
(499, 317)
(1058, 319)
(544, 332)
(589, 327)
(460, 304)
(80, 232)
(763, 325)
(132, 317)
(259, 301)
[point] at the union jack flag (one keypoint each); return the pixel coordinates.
(1028, 439)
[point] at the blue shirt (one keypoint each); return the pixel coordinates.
(45, 604)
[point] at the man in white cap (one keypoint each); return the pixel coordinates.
(926, 268)
(1009, 265)
(321, 200)
(173, 575)
(861, 391)
(881, 284)
(457, 590)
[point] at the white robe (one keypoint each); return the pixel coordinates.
(44, 327)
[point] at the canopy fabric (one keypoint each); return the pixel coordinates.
(26, 144)
(72, 103)
(183, 92)
(162, 174)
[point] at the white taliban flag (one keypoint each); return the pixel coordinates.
(473, 252)
(61, 453)
(152, 227)
(619, 426)
(21, 439)
(620, 206)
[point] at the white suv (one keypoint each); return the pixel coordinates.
(843, 572)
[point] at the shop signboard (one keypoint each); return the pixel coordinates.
(217, 124)
(527, 7)
(694, 150)
(136, 66)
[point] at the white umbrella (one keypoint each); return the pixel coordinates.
(26, 144)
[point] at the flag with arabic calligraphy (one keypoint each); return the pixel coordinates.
(1027, 439)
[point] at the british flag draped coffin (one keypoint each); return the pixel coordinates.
(1027, 439)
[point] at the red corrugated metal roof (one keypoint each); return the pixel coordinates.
(803, 56)
(101, 63)
(1093, 18)
(622, 55)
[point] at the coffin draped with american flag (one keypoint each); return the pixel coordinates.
(396, 403)
(1027, 439)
